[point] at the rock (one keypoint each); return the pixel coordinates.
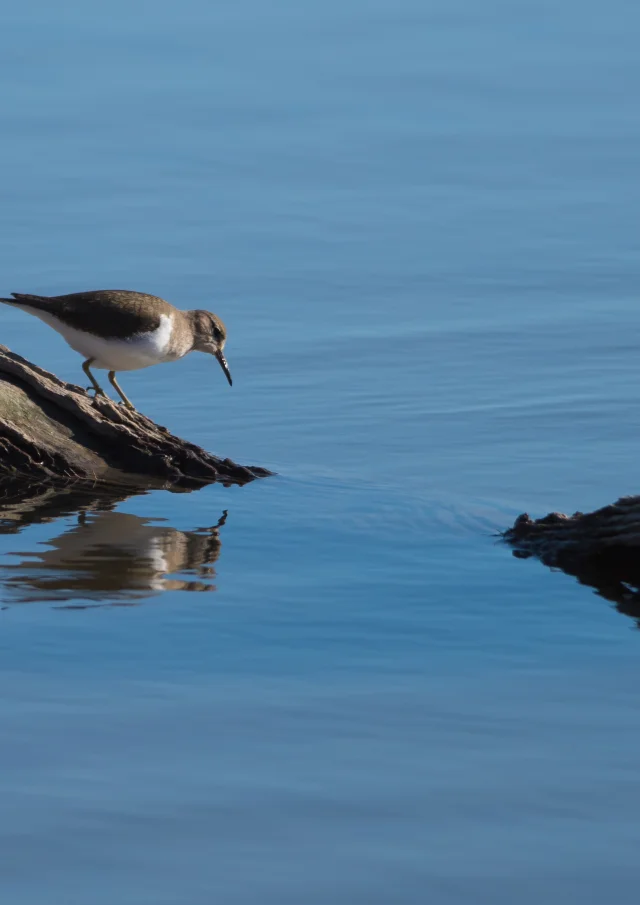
(55, 431)
(601, 549)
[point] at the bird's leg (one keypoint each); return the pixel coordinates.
(115, 385)
(86, 366)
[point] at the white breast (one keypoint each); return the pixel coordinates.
(142, 351)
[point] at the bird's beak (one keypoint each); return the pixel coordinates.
(224, 366)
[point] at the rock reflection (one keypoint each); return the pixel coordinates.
(614, 574)
(104, 557)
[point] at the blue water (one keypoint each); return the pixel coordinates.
(419, 223)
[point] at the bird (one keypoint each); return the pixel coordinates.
(122, 330)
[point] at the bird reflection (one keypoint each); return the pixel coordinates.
(107, 557)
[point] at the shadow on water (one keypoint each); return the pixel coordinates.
(104, 557)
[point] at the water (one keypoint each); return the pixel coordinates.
(419, 224)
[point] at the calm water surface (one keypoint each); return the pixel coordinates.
(419, 222)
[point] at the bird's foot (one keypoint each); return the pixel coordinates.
(97, 391)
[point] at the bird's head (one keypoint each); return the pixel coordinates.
(210, 336)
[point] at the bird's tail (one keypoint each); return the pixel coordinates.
(32, 301)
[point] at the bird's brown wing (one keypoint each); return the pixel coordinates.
(114, 313)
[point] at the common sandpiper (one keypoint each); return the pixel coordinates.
(120, 330)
